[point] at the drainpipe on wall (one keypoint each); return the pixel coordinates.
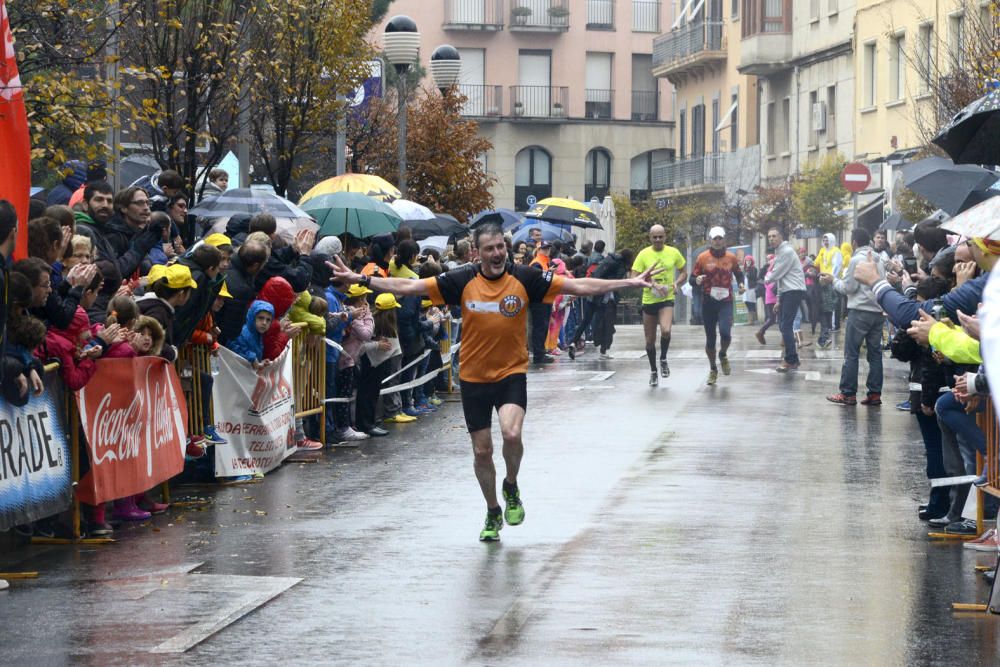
(798, 121)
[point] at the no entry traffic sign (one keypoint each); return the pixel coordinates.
(856, 177)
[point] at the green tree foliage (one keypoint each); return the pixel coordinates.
(817, 195)
(912, 206)
(61, 48)
(772, 207)
(379, 8)
(307, 53)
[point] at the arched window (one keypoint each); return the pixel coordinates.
(597, 174)
(532, 177)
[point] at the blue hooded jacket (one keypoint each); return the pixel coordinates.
(250, 344)
(335, 330)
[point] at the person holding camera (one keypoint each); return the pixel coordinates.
(864, 325)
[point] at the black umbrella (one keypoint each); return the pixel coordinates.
(441, 225)
(976, 198)
(896, 222)
(945, 184)
(973, 135)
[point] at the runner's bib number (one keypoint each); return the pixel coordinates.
(719, 293)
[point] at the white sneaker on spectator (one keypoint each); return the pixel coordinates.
(351, 434)
(985, 542)
(346, 437)
(604, 356)
(4, 585)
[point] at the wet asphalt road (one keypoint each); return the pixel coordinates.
(747, 523)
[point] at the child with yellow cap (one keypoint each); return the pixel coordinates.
(167, 287)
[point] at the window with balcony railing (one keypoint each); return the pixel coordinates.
(539, 14)
(600, 15)
(477, 14)
(538, 101)
(645, 105)
(766, 16)
(686, 41)
(645, 16)
(481, 101)
(599, 103)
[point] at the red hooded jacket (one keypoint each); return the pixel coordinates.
(61, 345)
(279, 293)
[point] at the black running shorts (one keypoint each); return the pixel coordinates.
(655, 308)
(480, 399)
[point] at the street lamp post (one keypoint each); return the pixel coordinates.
(446, 66)
(402, 48)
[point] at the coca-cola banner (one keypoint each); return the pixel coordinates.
(34, 458)
(133, 417)
(254, 413)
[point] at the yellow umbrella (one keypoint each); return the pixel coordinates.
(366, 184)
(564, 212)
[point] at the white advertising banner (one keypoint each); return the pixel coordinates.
(254, 412)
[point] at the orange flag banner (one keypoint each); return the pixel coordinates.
(15, 142)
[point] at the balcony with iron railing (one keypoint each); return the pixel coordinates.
(645, 105)
(539, 16)
(600, 14)
(689, 49)
(473, 15)
(645, 16)
(539, 101)
(689, 176)
(481, 101)
(599, 103)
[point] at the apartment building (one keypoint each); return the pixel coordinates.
(802, 55)
(716, 150)
(905, 52)
(563, 89)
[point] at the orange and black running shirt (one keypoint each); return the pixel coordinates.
(718, 272)
(494, 315)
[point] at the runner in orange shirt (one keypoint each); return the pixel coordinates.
(713, 274)
(494, 295)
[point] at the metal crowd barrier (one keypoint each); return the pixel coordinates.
(73, 433)
(192, 361)
(309, 378)
(987, 421)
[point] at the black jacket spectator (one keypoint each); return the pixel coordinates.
(286, 263)
(240, 283)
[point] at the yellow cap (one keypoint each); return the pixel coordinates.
(426, 303)
(386, 302)
(224, 292)
(356, 291)
(178, 276)
(217, 240)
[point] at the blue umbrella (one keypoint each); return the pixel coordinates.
(550, 231)
(504, 217)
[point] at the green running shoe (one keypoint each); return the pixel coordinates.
(713, 375)
(491, 531)
(514, 514)
(724, 363)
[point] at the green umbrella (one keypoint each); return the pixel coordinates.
(351, 213)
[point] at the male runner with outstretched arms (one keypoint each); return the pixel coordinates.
(494, 295)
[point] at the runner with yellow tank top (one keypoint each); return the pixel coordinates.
(658, 300)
